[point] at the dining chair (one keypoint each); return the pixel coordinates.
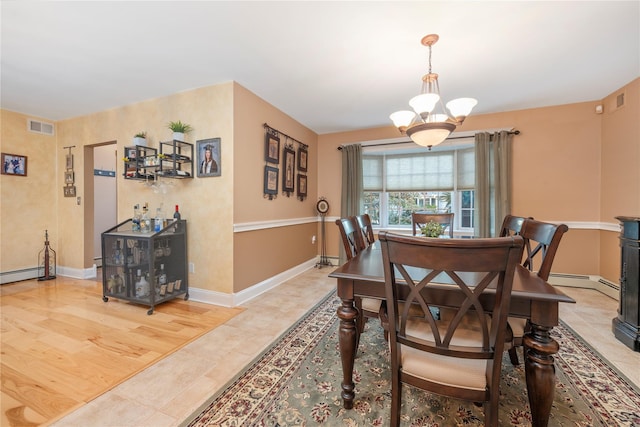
(459, 356)
(511, 225)
(364, 222)
(541, 242)
(420, 219)
(353, 242)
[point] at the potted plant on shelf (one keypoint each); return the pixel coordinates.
(140, 138)
(432, 229)
(179, 129)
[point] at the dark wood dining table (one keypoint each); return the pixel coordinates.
(532, 298)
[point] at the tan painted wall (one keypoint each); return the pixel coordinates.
(206, 203)
(559, 160)
(259, 255)
(620, 185)
(28, 205)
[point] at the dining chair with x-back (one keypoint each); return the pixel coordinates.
(354, 242)
(541, 242)
(459, 356)
(364, 222)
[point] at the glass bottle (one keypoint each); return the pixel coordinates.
(145, 221)
(176, 218)
(117, 254)
(162, 277)
(157, 224)
(142, 286)
(135, 221)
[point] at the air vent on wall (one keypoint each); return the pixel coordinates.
(617, 102)
(40, 127)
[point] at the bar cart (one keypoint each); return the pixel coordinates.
(146, 268)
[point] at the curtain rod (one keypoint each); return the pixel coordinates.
(266, 126)
(513, 132)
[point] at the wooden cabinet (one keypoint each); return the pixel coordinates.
(145, 268)
(626, 326)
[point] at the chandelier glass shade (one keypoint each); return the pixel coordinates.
(424, 125)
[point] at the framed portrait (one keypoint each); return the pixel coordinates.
(289, 167)
(69, 191)
(68, 177)
(209, 158)
(14, 164)
(132, 153)
(302, 186)
(302, 159)
(69, 161)
(272, 148)
(270, 180)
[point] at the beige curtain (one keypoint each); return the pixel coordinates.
(351, 199)
(493, 181)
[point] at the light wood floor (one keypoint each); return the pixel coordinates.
(62, 346)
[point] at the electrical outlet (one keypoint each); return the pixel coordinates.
(313, 240)
(192, 267)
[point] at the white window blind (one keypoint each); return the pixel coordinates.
(424, 171)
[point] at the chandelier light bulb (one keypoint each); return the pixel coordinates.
(402, 119)
(461, 107)
(424, 103)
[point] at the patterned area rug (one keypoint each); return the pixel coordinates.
(297, 383)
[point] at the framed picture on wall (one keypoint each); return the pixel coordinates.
(69, 190)
(68, 177)
(270, 180)
(69, 161)
(272, 148)
(302, 185)
(14, 164)
(289, 167)
(302, 159)
(209, 159)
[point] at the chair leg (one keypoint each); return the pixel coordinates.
(396, 399)
(491, 412)
(513, 356)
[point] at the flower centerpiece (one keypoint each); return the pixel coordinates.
(432, 229)
(179, 129)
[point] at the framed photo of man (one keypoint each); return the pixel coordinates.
(209, 158)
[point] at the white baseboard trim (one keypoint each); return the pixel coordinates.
(234, 300)
(78, 273)
(597, 283)
(18, 275)
(32, 273)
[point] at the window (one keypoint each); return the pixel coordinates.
(398, 182)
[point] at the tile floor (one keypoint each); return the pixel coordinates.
(168, 392)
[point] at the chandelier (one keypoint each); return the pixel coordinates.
(426, 125)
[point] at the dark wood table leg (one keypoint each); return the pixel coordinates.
(540, 372)
(348, 346)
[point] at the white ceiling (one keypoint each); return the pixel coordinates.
(333, 66)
